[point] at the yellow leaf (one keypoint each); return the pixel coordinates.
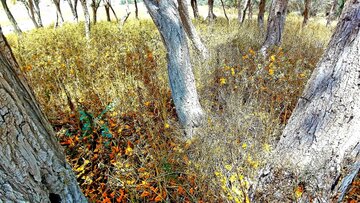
(267, 148)
(166, 126)
(232, 71)
(82, 167)
(272, 58)
(228, 167)
(298, 192)
(222, 81)
(271, 71)
(244, 146)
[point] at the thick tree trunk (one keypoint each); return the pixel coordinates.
(306, 12)
(195, 8)
(32, 165)
(10, 17)
(322, 137)
(275, 26)
(136, 10)
(211, 16)
(261, 14)
(166, 17)
(190, 29)
(87, 18)
(73, 10)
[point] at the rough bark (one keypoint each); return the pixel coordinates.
(32, 165)
(190, 30)
(10, 17)
(261, 14)
(211, 16)
(182, 82)
(195, 8)
(322, 141)
(73, 9)
(275, 26)
(87, 18)
(306, 12)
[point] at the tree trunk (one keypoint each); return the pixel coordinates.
(166, 17)
(322, 139)
(87, 18)
(190, 29)
(30, 10)
(239, 11)
(223, 6)
(73, 10)
(195, 8)
(10, 17)
(126, 16)
(58, 12)
(306, 11)
(107, 10)
(94, 5)
(261, 14)
(136, 10)
(275, 26)
(250, 13)
(38, 13)
(331, 12)
(32, 164)
(247, 6)
(211, 15)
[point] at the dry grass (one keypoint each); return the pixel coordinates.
(129, 150)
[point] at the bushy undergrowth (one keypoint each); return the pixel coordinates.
(110, 103)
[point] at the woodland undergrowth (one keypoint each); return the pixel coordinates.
(109, 102)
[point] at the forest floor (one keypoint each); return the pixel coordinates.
(110, 104)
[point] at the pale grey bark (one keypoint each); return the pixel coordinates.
(331, 13)
(322, 138)
(239, 11)
(32, 164)
(87, 18)
(10, 17)
(275, 26)
(182, 82)
(190, 29)
(211, 16)
(59, 16)
(73, 8)
(38, 13)
(29, 5)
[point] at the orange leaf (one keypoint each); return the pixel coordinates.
(145, 194)
(158, 198)
(181, 190)
(106, 200)
(191, 191)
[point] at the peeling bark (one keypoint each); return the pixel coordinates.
(10, 17)
(182, 82)
(32, 164)
(275, 26)
(190, 30)
(322, 138)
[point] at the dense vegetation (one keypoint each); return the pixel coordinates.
(110, 104)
